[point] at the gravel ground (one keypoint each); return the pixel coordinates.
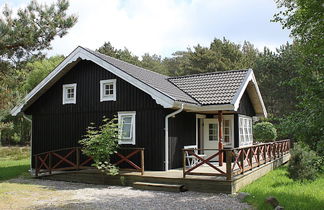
(65, 195)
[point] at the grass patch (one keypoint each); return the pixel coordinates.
(14, 153)
(14, 161)
(290, 194)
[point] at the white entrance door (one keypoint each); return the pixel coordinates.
(211, 134)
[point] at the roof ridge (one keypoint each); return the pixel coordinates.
(126, 62)
(207, 73)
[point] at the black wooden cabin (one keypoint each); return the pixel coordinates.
(88, 85)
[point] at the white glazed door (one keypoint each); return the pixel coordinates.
(210, 136)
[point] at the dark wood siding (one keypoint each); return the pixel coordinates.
(182, 132)
(58, 126)
(236, 131)
(246, 107)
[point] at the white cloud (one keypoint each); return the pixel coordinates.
(163, 27)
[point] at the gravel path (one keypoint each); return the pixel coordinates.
(65, 195)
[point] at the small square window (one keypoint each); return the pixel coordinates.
(69, 94)
(108, 90)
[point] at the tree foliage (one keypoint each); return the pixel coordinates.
(24, 35)
(100, 143)
(37, 70)
(32, 29)
(303, 164)
(264, 132)
(305, 20)
(274, 72)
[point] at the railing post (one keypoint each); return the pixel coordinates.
(265, 153)
(258, 155)
(228, 164)
(50, 162)
(184, 163)
(242, 160)
(36, 165)
(142, 161)
(77, 153)
(251, 157)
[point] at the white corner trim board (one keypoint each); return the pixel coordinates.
(80, 53)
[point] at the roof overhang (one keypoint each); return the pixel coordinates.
(249, 84)
(71, 60)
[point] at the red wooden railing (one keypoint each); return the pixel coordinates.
(238, 160)
(201, 161)
(70, 159)
(125, 158)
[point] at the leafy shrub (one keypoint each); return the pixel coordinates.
(303, 164)
(264, 132)
(100, 143)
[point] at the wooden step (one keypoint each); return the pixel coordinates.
(159, 187)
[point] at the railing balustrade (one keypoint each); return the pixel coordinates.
(238, 160)
(72, 159)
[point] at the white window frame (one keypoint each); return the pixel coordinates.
(69, 100)
(104, 97)
(245, 132)
(132, 139)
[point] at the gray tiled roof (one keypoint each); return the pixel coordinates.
(211, 88)
(203, 89)
(155, 80)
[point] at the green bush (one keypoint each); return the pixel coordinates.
(264, 132)
(100, 143)
(303, 164)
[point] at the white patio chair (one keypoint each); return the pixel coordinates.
(191, 159)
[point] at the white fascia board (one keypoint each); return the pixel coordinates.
(160, 98)
(237, 97)
(199, 108)
(69, 59)
(79, 52)
(264, 110)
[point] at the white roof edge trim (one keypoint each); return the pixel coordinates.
(164, 100)
(238, 95)
(192, 107)
(49, 77)
(265, 113)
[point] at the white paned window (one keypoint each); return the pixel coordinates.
(126, 121)
(108, 90)
(213, 132)
(245, 130)
(227, 131)
(69, 94)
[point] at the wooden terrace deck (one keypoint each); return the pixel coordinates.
(242, 166)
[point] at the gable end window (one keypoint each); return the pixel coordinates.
(108, 90)
(69, 93)
(126, 121)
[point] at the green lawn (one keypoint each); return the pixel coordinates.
(14, 161)
(290, 194)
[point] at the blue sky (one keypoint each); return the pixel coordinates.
(163, 27)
